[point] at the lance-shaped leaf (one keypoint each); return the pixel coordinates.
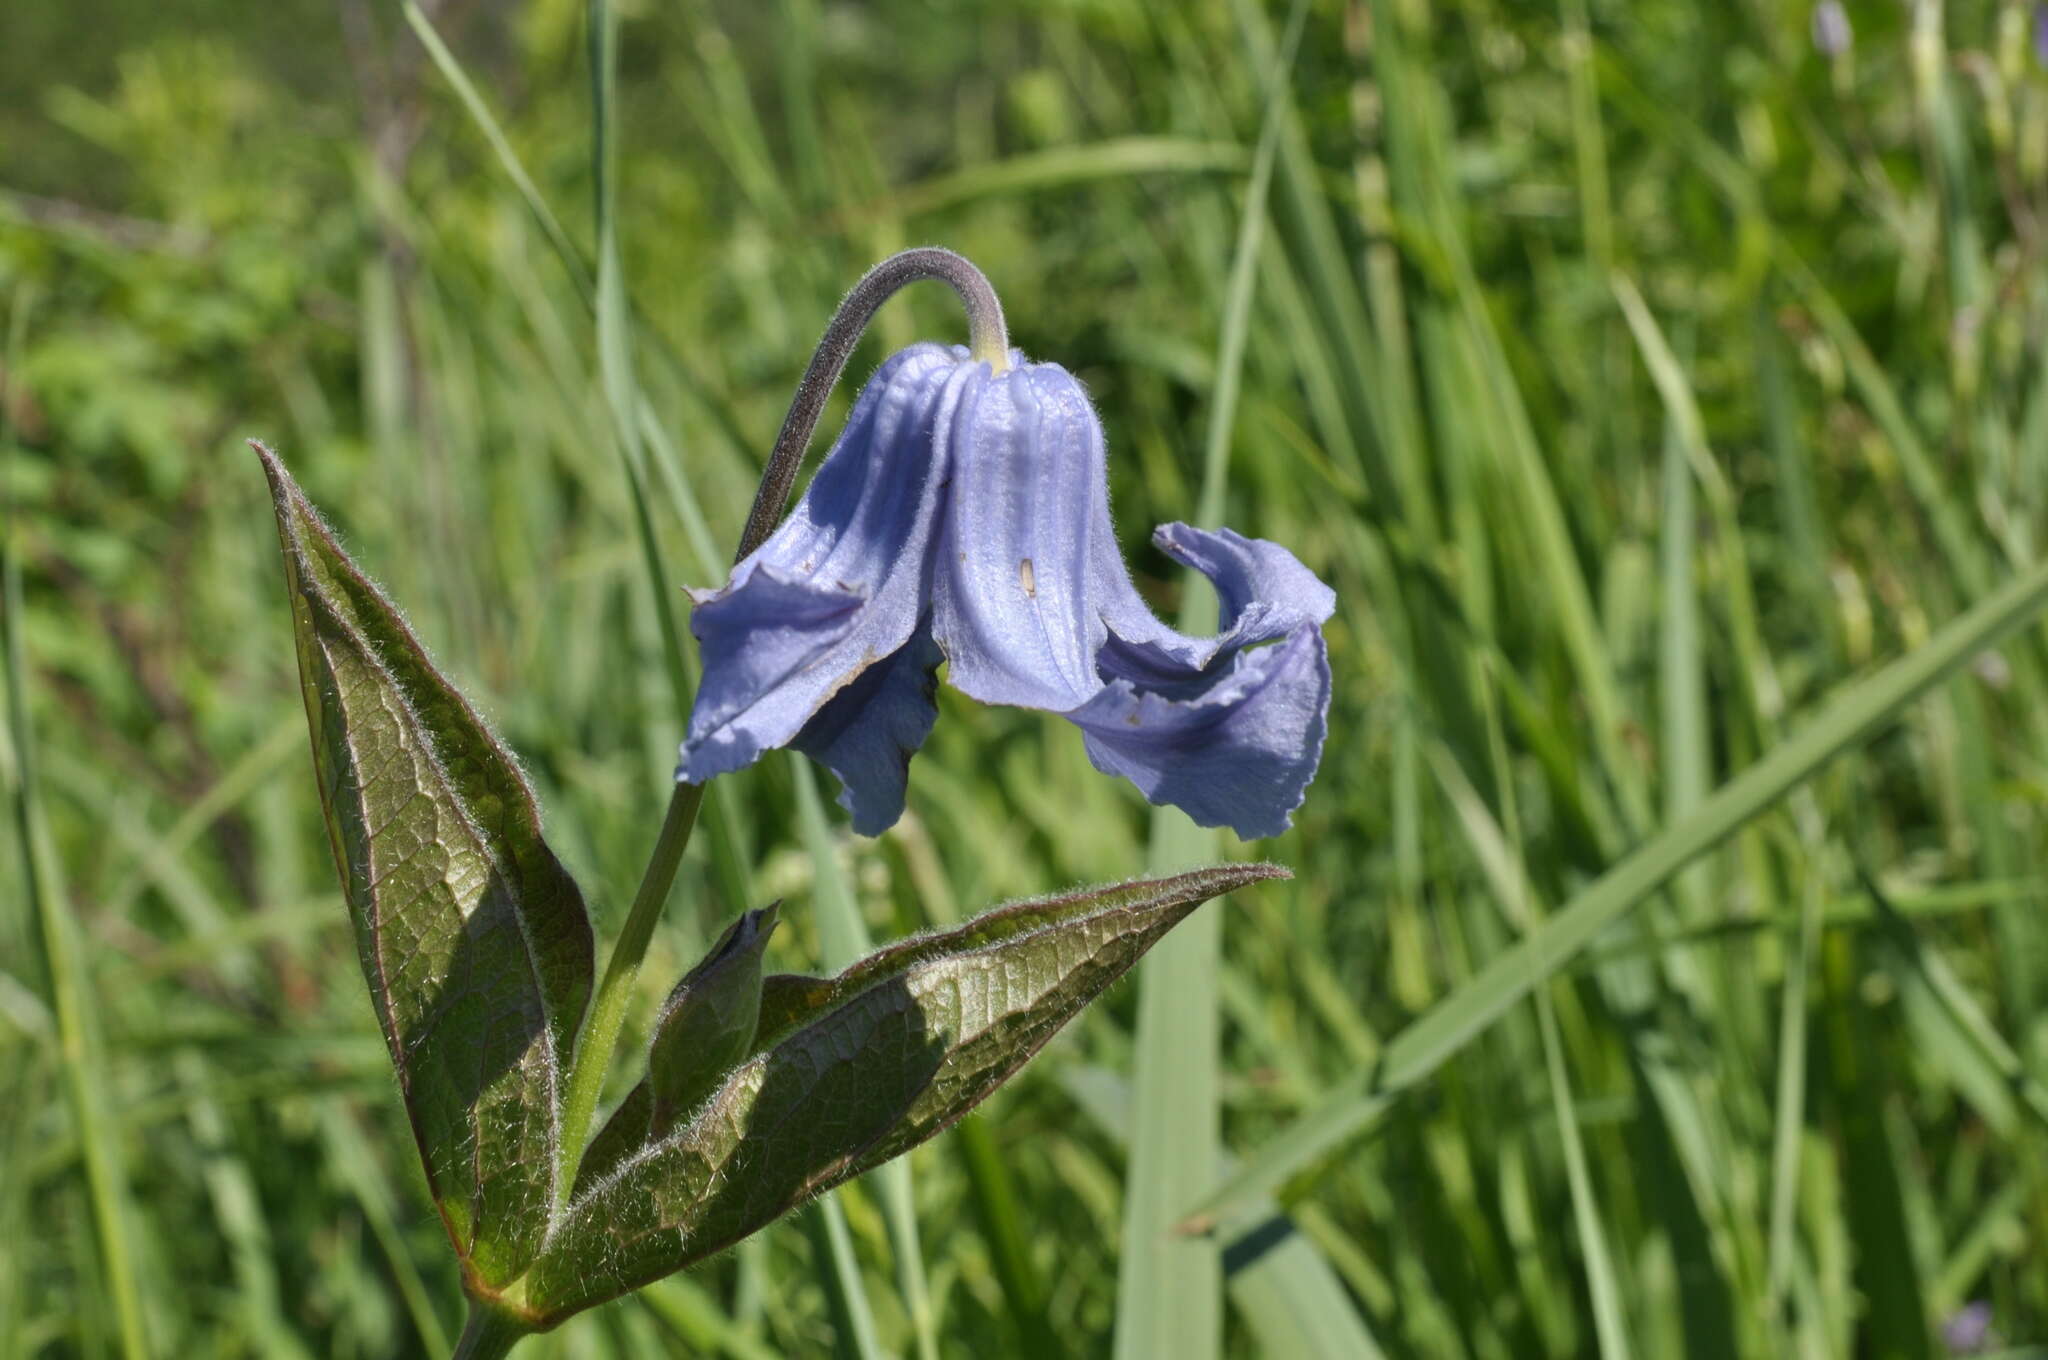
(472, 936)
(848, 1072)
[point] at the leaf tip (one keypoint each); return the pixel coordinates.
(272, 468)
(1245, 874)
(283, 490)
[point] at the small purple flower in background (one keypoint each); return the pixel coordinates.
(963, 516)
(1831, 32)
(1968, 1330)
(2041, 33)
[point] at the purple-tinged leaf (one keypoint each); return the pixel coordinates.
(473, 938)
(848, 1072)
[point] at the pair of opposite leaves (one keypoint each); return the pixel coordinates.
(478, 953)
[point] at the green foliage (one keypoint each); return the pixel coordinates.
(473, 938)
(477, 953)
(1791, 1118)
(708, 1023)
(850, 1071)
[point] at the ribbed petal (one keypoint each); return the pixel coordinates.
(841, 585)
(1014, 602)
(1033, 605)
(867, 732)
(964, 515)
(1234, 748)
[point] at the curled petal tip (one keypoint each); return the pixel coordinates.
(964, 516)
(1239, 752)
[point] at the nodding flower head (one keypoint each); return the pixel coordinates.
(963, 516)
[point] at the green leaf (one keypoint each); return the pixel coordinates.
(472, 936)
(849, 1072)
(707, 1024)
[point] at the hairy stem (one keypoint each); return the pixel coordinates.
(608, 1010)
(987, 341)
(489, 1334)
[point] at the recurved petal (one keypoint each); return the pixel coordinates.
(1014, 601)
(842, 583)
(867, 732)
(1263, 592)
(758, 636)
(1235, 745)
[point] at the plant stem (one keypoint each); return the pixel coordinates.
(990, 344)
(608, 1011)
(987, 338)
(489, 1334)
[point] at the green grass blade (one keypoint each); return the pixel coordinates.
(71, 1000)
(1985, 1061)
(843, 939)
(626, 404)
(838, 1271)
(1169, 1295)
(256, 768)
(1169, 1285)
(1057, 168)
(355, 1161)
(689, 1310)
(643, 424)
(238, 1208)
(1290, 1297)
(1288, 1294)
(1003, 1225)
(1426, 1044)
(1788, 1106)
(615, 350)
(25, 1073)
(1609, 1321)
(501, 146)
(1589, 146)
(2002, 1222)
(1962, 551)
(81, 1046)
(1501, 861)
(990, 1182)
(1888, 1272)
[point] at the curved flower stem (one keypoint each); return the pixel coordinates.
(987, 341)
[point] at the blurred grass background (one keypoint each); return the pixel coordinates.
(1636, 372)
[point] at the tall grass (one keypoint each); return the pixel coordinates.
(1664, 968)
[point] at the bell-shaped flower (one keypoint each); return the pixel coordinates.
(963, 516)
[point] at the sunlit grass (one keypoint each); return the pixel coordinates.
(1639, 380)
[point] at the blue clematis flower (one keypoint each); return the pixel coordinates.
(963, 516)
